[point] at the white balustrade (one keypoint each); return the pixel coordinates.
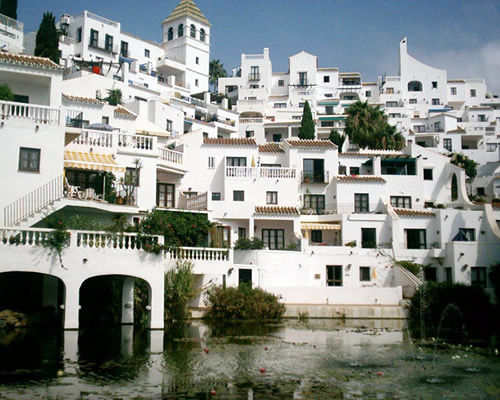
(95, 138)
(113, 240)
(23, 237)
(171, 156)
(261, 172)
(199, 253)
(136, 142)
(29, 112)
(251, 120)
(241, 172)
(33, 202)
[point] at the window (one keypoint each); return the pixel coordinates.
(430, 274)
(273, 238)
(313, 170)
(193, 31)
(271, 197)
(354, 171)
(391, 103)
(414, 86)
(480, 191)
(368, 93)
(238, 195)
(94, 38)
(78, 35)
(328, 95)
(301, 105)
(253, 87)
(281, 83)
(481, 118)
(434, 85)
(364, 274)
(326, 79)
(316, 236)
(169, 125)
(342, 170)
(328, 109)
(249, 134)
(132, 176)
(449, 274)
(108, 43)
(401, 201)
(245, 277)
(435, 102)
(202, 34)
(147, 53)
(328, 124)
(216, 196)
(165, 195)
(447, 144)
(276, 137)
(389, 90)
(334, 275)
(361, 203)
(105, 120)
(453, 91)
(478, 276)
(416, 239)
(197, 60)
(180, 30)
(236, 162)
(491, 147)
(196, 82)
(254, 73)
(465, 235)
(368, 238)
(170, 35)
(29, 159)
(124, 49)
(413, 101)
(394, 115)
(473, 93)
(211, 162)
(242, 233)
(302, 78)
(427, 174)
(315, 202)
(279, 105)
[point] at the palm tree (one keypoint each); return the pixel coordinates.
(216, 71)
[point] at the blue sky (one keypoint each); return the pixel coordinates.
(462, 36)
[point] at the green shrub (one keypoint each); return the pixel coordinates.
(450, 311)
(249, 244)
(414, 268)
(242, 303)
(179, 290)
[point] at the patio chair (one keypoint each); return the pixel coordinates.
(70, 190)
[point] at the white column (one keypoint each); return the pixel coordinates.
(156, 297)
(71, 305)
(289, 132)
(251, 228)
(128, 300)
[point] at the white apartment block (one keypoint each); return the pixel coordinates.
(334, 224)
(11, 34)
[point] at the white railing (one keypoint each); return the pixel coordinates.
(33, 202)
(95, 138)
(250, 102)
(251, 120)
(199, 253)
(171, 156)
(66, 40)
(261, 172)
(102, 19)
(136, 142)
(112, 240)
(29, 112)
(197, 202)
(23, 237)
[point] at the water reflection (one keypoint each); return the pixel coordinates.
(316, 359)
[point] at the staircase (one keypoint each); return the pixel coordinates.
(409, 282)
(35, 202)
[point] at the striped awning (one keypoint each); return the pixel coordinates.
(318, 226)
(91, 161)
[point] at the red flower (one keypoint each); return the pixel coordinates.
(69, 233)
(149, 226)
(60, 223)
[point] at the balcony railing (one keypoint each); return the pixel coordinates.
(251, 120)
(66, 40)
(29, 112)
(95, 139)
(261, 172)
(199, 253)
(136, 142)
(171, 156)
(254, 76)
(197, 202)
(316, 177)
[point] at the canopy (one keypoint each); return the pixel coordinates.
(318, 226)
(91, 161)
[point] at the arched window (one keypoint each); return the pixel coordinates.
(170, 33)
(202, 34)
(454, 187)
(415, 86)
(180, 30)
(193, 30)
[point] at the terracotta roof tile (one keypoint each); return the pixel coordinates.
(271, 148)
(230, 141)
(187, 8)
(310, 143)
(405, 212)
(30, 61)
(360, 179)
(124, 113)
(458, 130)
(81, 99)
(276, 210)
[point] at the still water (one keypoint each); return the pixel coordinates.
(325, 359)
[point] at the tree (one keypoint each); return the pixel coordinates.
(306, 130)
(114, 97)
(47, 38)
(6, 93)
(337, 138)
(216, 71)
(9, 8)
(466, 163)
(367, 126)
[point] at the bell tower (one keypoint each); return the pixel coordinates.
(186, 40)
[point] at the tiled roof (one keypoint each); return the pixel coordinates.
(360, 178)
(30, 61)
(230, 141)
(276, 210)
(124, 113)
(310, 143)
(271, 148)
(187, 8)
(458, 130)
(81, 99)
(405, 212)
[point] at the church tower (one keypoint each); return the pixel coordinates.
(186, 40)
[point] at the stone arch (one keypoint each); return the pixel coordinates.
(415, 86)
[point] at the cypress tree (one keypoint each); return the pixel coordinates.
(306, 130)
(47, 38)
(337, 138)
(9, 8)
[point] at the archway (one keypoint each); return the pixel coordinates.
(39, 296)
(111, 300)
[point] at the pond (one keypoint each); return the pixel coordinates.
(315, 359)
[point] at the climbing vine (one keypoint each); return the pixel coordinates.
(57, 239)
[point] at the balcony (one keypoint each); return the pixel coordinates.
(171, 156)
(252, 77)
(261, 172)
(136, 143)
(197, 202)
(36, 114)
(315, 177)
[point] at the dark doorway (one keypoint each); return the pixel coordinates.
(245, 276)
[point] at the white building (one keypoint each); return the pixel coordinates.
(11, 34)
